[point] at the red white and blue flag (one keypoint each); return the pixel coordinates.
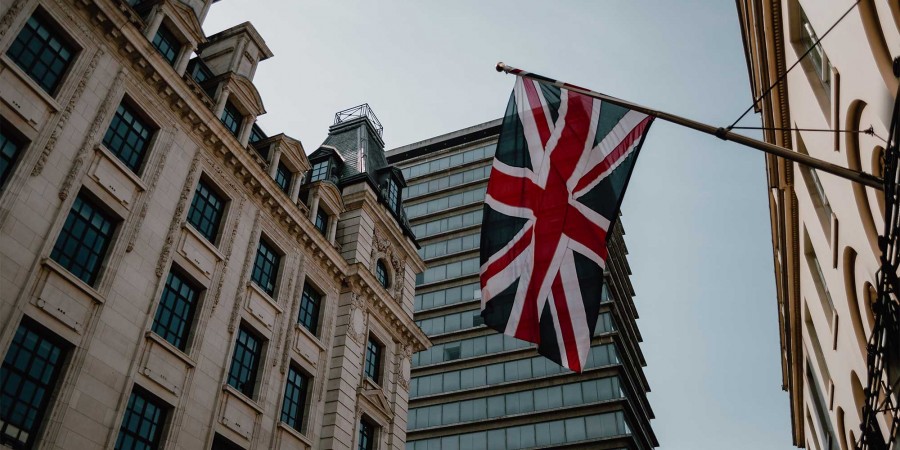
(559, 174)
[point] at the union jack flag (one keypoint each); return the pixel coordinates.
(559, 174)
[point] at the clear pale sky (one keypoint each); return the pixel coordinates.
(695, 214)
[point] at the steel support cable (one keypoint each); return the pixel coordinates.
(883, 349)
(783, 75)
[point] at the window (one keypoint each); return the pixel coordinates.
(127, 137)
(310, 302)
(322, 221)
(283, 178)
(206, 212)
(265, 268)
(256, 134)
(819, 61)
(142, 425)
(319, 171)
(167, 44)
(232, 119)
(199, 71)
(373, 359)
(381, 273)
(366, 435)
(41, 53)
(176, 310)
(84, 240)
(393, 194)
(293, 409)
(10, 149)
(29, 373)
(221, 443)
(245, 362)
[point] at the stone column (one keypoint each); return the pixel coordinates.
(155, 22)
(273, 163)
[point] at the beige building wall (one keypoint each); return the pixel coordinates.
(105, 326)
(825, 228)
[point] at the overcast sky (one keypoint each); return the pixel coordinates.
(695, 215)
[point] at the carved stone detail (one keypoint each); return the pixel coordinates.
(154, 179)
(11, 14)
(178, 217)
(356, 327)
(66, 113)
(245, 276)
(230, 244)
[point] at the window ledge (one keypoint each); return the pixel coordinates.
(121, 166)
(315, 339)
(150, 335)
(14, 68)
(266, 296)
(77, 282)
(243, 398)
(205, 242)
(296, 434)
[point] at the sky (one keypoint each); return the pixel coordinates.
(695, 215)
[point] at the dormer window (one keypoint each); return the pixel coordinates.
(283, 177)
(232, 118)
(319, 171)
(322, 221)
(393, 194)
(256, 134)
(199, 71)
(167, 44)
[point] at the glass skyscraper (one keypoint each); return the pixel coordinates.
(475, 388)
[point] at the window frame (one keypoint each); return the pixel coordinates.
(101, 209)
(51, 387)
(214, 190)
(275, 268)
(371, 438)
(393, 194)
(151, 399)
(62, 35)
(191, 313)
(299, 422)
(324, 218)
(235, 114)
(163, 29)
(382, 274)
(284, 177)
(373, 370)
(14, 137)
(249, 386)
(316, 314)
(319, 171)
(143, 119)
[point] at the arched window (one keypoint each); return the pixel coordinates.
(381, 273)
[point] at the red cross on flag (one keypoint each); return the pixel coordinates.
(559, 174)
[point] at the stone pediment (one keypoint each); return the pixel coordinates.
(185, 17)
(375, 397)
(246, 91)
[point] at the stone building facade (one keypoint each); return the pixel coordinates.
(173, 277)
(825, 229)
(476, 389)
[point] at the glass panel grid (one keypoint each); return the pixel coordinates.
(83, 240)
(41, 53)
(366, 435)
(293, 408)
(265, 268)
(322, 221)
(9, 154)
(446, 162)
(256, 134)
(439, 204)
(142, 425)
(393, 194)
(319, 171)
(448, 223)
(310, 302)
(199, 71)
(127, 137)
(381, 273)
(283, 178)
(176, 311)
(167, 45)
(232, 118)
(245, 362)
(206, 212)
(28, 375)
(373, 359)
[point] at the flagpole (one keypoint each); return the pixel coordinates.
(722, 133)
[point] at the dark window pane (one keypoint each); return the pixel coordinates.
(143, 422)
(41, 53)
(322, 221)
(206, 211)
(232, 118)
(373, 359)
(319, 171)
(366, 435)
(265, 268)
(28, 377)
(245, 362)
(167, 45)
(10, 149)
(310, 302)
(381, 273)
(293, 408)
(83, 240)
(283, 178)
(393, 195)
(127, 137)
(176, 310)
(220, 443)
(256, 134)
(199, 71)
